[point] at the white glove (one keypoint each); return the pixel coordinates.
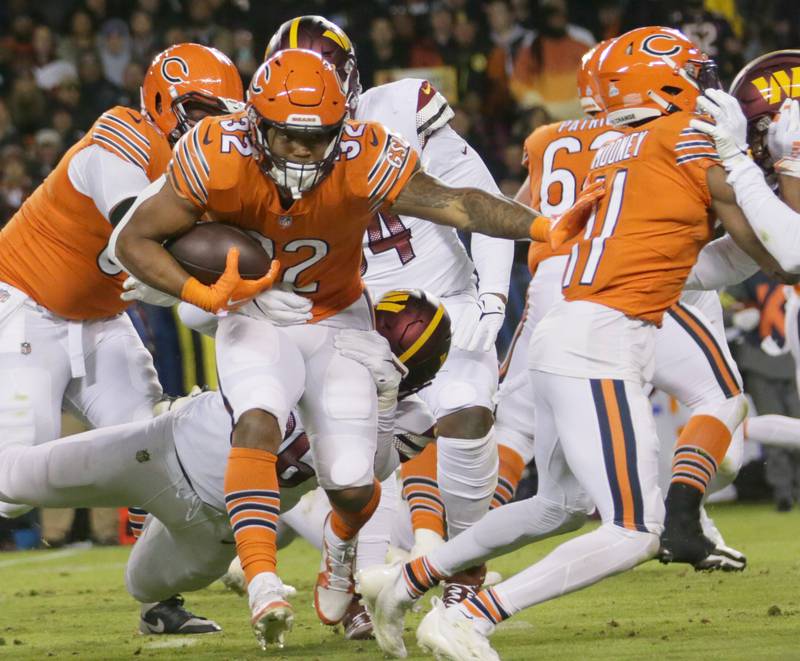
(783, 139)
(280, 306)
(747, 319)
(136, 290)
(478, 327)
(730, 131)
(372, 350)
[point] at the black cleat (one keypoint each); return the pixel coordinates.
(170, 617)
(683, 539)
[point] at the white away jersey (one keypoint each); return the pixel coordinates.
(402, 251)
(202, 432)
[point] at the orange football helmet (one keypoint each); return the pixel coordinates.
(296, 91)
(652, 71)
(186, 77)
(588, 86)
(326, 38)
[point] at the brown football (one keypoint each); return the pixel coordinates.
(203, 249)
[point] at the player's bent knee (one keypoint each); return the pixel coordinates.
(353, 499)
(632, 546)
(257, 429)
(473, 423)
(731, 411)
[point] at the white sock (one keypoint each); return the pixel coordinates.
(576, 564)
(467, 474)
(504, 529)
(374, 536)
(776, 430)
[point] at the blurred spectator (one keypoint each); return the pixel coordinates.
(15, 182)
(243, 54)
(27, 103)
(713, 35)
(64, 123)
(769, 375)
(8, 132)
(18, 43)
(97, 94)
(380, 52)
(80, 36)
(508, 38)
(115, 49)
(544, 72)
(470, 58)
(48, 70)
(201, 21)
(144, 41)
(129, 95)
(609, 19)
(438, 48)
(47, 150)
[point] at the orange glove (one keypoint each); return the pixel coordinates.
(230, 291)
(558, 231)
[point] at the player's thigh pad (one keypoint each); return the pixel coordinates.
(693, 362)
(121, 384)
(34, 372)
(338, 410)
(608, 436)
(467, 378)
(168, 560)
(260, 366)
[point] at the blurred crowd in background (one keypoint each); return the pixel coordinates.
(506, 66)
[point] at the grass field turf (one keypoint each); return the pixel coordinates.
(72, 604)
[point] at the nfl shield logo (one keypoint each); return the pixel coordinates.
(4, 295)
(285, 221)
(25, 348)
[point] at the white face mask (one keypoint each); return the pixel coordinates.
(299, 178)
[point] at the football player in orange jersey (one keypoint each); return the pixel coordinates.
(292, 169)
(409, 252)
(692, 359)
(63, 338)
(592, 353)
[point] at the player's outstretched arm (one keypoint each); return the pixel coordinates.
(158, 214)
(474, 210)
(739, 225)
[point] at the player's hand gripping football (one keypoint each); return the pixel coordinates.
(729, 131)
(562, 228)
(372, 350)
(783, 139)
(230, 291)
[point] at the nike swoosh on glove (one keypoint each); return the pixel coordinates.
(479, 325)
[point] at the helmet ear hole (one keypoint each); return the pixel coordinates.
(158, 102)
(672, 91)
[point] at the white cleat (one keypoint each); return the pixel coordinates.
(335, 583)
(450, 636)
(377, 587)
(272, 616)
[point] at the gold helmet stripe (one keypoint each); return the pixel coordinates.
(409, 353)
(293, 33)
(390, 307)
(340, 38)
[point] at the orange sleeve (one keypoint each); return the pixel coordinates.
(124, 133)
(383, 165)
(189, 171)
(694, 154)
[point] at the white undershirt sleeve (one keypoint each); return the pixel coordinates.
(721, 263)
(776, 225)
(106, 178)
(447, 156)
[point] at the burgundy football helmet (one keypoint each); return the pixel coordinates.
(322, 36)
(761, 87)
(417, 327)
